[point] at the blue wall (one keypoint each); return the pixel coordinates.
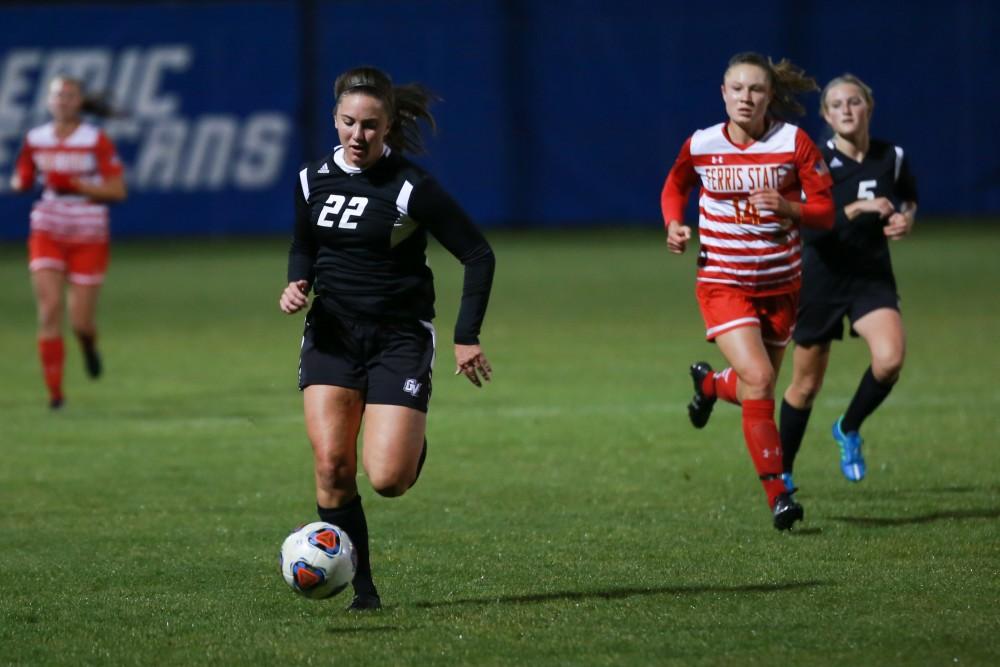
(553, 113)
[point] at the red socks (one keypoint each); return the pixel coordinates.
(764, 444)
(721, 385)
(52, 354)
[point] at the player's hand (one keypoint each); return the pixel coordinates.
(678, 236)
(295, 297)
(61, 182)
(471, 362)
(899, 225)
(771, 200)
(879, 205)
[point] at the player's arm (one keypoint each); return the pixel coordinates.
(110, 189)
(673, 198)
(23, 178)
(817, 209)
(900, 223)
(432, 207)
(301, 256)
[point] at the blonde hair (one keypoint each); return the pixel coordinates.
(866, 91)
(787, 81)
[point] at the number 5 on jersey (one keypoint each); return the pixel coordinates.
(355, 207)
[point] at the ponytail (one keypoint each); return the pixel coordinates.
(406, 105)
(787, 82)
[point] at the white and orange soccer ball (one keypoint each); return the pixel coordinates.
(318, 560)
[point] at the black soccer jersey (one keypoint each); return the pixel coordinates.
(360, 241)
(858, 247)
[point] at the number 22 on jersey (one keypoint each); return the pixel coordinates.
(335, 203)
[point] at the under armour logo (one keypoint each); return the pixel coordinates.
(411, 387)
(716, 159)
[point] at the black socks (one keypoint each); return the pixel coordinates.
(351, 517)
(869, 396)
(792, 427)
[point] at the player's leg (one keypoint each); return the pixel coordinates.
(722, 310)
(87, 264)
(399, 391)
(82, 316)
(48, 285)
(333, 420)
(393, 445)
(809, 363)
(753, 362)
(883, 331)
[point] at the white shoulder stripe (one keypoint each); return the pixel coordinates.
(305, 183)
(899, 161)
(403, 200)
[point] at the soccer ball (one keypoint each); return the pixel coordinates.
(318, 560)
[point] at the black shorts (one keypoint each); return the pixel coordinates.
(821, 319)
(389, 363)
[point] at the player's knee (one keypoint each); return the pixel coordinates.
(887, 366)
(391, 485)
(804, 390)
(758, 382)
(335, 472)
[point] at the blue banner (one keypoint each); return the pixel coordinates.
(206, 103)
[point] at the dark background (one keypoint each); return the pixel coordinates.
(554, 114)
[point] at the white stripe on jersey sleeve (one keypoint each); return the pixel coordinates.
(303, 179)
(403, 200)
(899, 162)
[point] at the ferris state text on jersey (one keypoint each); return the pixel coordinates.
(859, 247)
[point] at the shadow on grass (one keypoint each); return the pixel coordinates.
(620, 593)
(366, 629)
(919, 519)
(805, 532)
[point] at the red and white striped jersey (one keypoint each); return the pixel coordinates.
(741, 246)
(86, 154)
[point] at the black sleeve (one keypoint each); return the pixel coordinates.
(906, 182)
(302, 254)
(435, 210)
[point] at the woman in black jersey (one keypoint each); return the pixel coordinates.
(362, 217)
(847, 272)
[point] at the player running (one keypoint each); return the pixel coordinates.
(847, 272)
(761, 179)
(80, 173)
(362, 217)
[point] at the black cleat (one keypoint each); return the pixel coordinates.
(366, 602)
(700, 407)
(93, 362)
(787, 512)
(56, 403)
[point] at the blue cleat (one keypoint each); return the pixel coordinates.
(852, 464)
(786, 477)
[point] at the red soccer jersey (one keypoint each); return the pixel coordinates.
(86, 154)
(741, 246)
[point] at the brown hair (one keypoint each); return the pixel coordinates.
(406, 105)
(866, 91)
(91, 105)
(787, 81)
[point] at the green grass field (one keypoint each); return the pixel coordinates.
(568, 513)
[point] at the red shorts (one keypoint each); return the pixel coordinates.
(83, 263)
(724, 309)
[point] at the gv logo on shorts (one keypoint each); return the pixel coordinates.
(411, 387)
